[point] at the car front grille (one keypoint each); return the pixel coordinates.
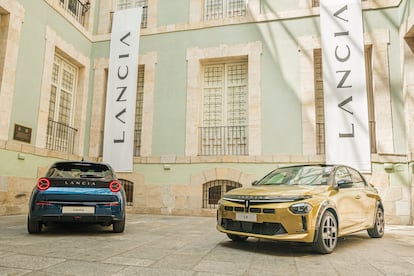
(265, 228)
(251, 210)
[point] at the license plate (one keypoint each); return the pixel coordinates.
(246, 217)
(78, 210)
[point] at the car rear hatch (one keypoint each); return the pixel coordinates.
(77, 190)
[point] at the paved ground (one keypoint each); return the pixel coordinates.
(170, 245)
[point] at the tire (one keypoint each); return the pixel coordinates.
(327, 235)
(33, 227)
(237, 238)
(378, 230)
(118, 226)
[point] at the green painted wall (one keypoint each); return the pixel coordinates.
(173, 12)
(272, 6)
(11, 165)
(30, 61)
(281, 106)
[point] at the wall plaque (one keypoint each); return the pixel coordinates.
(22, 133)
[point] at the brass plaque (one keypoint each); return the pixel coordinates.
(22, 133)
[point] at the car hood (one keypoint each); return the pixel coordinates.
(275, 193)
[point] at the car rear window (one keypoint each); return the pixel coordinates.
(80, 170)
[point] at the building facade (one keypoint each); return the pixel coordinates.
(227, 90)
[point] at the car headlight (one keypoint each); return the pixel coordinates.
(301, 208)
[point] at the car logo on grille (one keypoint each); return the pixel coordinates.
(247, 204)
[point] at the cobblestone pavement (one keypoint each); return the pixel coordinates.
(173, 245)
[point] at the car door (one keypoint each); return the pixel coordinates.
(368, 198)
(349, 201)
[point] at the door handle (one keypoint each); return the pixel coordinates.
(358, 197)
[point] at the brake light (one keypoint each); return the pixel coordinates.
(115, 186)
(112, 204)
(43, 203)
(43, 184)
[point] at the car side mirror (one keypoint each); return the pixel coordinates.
(343, 183)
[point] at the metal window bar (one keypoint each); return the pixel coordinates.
(214, 190)
(76, 8)
(129, 191)
(217, 9)
(236, 8)
(320, 138)
(60, 137)
(138, 110)
(230, 140)
(372, 135)
(213, 9)
(128, 4)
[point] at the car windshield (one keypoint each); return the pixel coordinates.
(298, 175)
(80, 170)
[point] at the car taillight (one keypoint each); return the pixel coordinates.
(115, 186)
(43, 184)
(43, 203)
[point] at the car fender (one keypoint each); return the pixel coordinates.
(326, 205)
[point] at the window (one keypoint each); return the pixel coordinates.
(127, 4)
(224, 119)
(129, 191)
(319, 101)
(216, 9)
(138, 111)
(214, 190)
(342, 174)
(11, 19)
(358, 180)
(60, 134)
(4, 25)
(76, 8)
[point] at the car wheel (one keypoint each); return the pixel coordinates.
(378, 230)
(237, 238)
(327, 235)
(118, 226)
(33, 227)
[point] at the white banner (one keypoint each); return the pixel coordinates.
(344, 82)
(118, 148)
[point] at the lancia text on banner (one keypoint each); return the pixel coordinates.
(344, 82)
(121, 90)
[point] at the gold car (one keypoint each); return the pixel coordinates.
(314, 204)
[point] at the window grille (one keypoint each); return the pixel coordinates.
(319, 101)
(216, 9)
(76, 8)
(127, 4)
(224, 120)
(129, 191)
(214, 190)
(60, 134)
(138, 111)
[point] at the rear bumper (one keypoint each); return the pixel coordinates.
(53, 212)
(76, 218)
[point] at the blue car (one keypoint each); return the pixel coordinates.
(77, 192)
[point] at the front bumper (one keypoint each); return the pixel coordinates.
(274, 222)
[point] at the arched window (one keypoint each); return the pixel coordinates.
(214, 190)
